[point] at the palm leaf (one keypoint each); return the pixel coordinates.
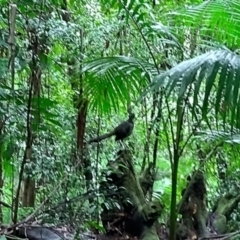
(232, 137)
(217, 20)
(214, 74)
(111, 80)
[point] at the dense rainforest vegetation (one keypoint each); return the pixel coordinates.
(119, 119)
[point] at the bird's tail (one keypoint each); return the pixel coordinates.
(102, 137)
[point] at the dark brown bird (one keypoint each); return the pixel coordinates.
(122, 131)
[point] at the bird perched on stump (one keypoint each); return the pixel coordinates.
(122, 131)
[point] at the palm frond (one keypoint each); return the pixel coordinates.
(120, 63)
(112, 79)
(217, 20)
(215, 74)
(232, 137)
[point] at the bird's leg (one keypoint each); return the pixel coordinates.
(120, 143)
(124, 144)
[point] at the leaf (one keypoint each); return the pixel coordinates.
(3, 66)
(95, 225)
(8, 153)
(55, 122)
(111, 80)
(205, 17)
(43, 103)
(204, 70)
(232, 137)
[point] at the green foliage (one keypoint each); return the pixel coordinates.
(115, 76)
(209, 26)
(107, 53)
(210, 79)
